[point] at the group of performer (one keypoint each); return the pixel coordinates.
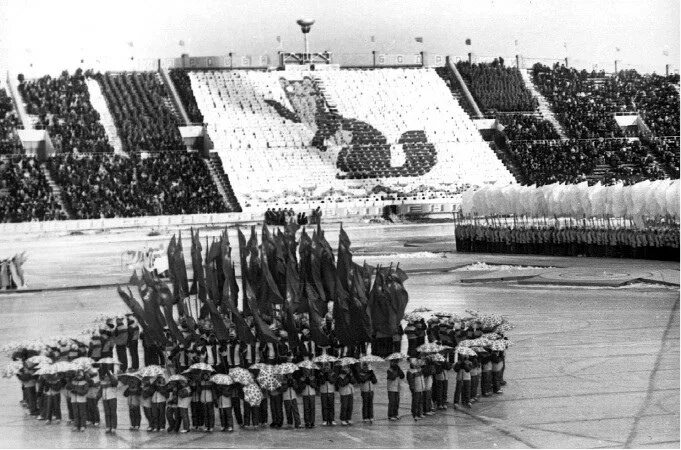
(239, 380)
(660, 243)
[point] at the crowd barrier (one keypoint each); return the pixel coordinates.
(338, 211)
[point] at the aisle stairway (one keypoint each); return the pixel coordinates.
(221, 181)
(99, 103)
(56, 192)
(544, 107)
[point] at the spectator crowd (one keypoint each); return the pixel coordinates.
(62, 106)
(142, 110)
(521, 127)
(496, 87)
(585, 102)
(183, 85)
(25, 195)
(9, 141)
(165, 183)
(572, 161)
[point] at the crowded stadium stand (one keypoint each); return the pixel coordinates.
(586, 102)
(497, 87)
(184, 90)
(527, 127)
(143, 111)
(62, 106)
(9, 141)
(138, 184)
(25, 195)
(336, 134)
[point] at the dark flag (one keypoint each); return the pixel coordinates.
(171, 267)
(166, 299)
(243, 331)
(398, 296)
(264, 332)
(230, 288)
(316, 317)
(341, 317)
(274, 296)
(243, 251)
(293, 288)
(359, 307)
(181, 268)
(380, 307)
(197, 266)
(344, 258)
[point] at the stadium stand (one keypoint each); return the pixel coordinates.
(24, 193)
(585, 102)
(184, 89)
(9, 141)
(574, 161)
(667, 152)
(142, 110)
(295, 136)
(496, 87)
(62, 106)
(523, 127)
(137, 184)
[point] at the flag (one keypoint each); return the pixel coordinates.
(344, 264)
(244, 268)
(272, 289)
(419, 39)
(380, 307)
(359, 307)
(468, 41)
(181, 268)
(398, 298)
(373, 38)
(230, 287)
(293, 288)
(171, 267)
(265, 334)
(243, 331)
(341, 316)
(316, 333)
(197, 266)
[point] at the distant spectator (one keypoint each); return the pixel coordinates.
(129, 186)
(25, 195)
(142, 110)
(63, 107)
(184, 89)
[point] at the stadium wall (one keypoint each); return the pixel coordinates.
(342, 211)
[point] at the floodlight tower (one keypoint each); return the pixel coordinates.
(305, 25)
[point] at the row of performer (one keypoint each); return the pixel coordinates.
(178, 403)
(661, 243)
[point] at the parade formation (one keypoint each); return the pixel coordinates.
(310, 325)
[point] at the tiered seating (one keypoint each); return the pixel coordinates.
(184, 90)
(9, 141)
(62, 105)
(667, 152)
(522, 127)
(166, 183)
(496, 87)
(142, 110)
(233, 203)
(585, 102)
(573, 161)
(25, 195)
(280, 134)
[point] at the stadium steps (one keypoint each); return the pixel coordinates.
(175, 104)
(56, 192)
(221, 180)
(458, 87)
(98, 102)
(509, 162)
(19, 105)
(544, 107)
